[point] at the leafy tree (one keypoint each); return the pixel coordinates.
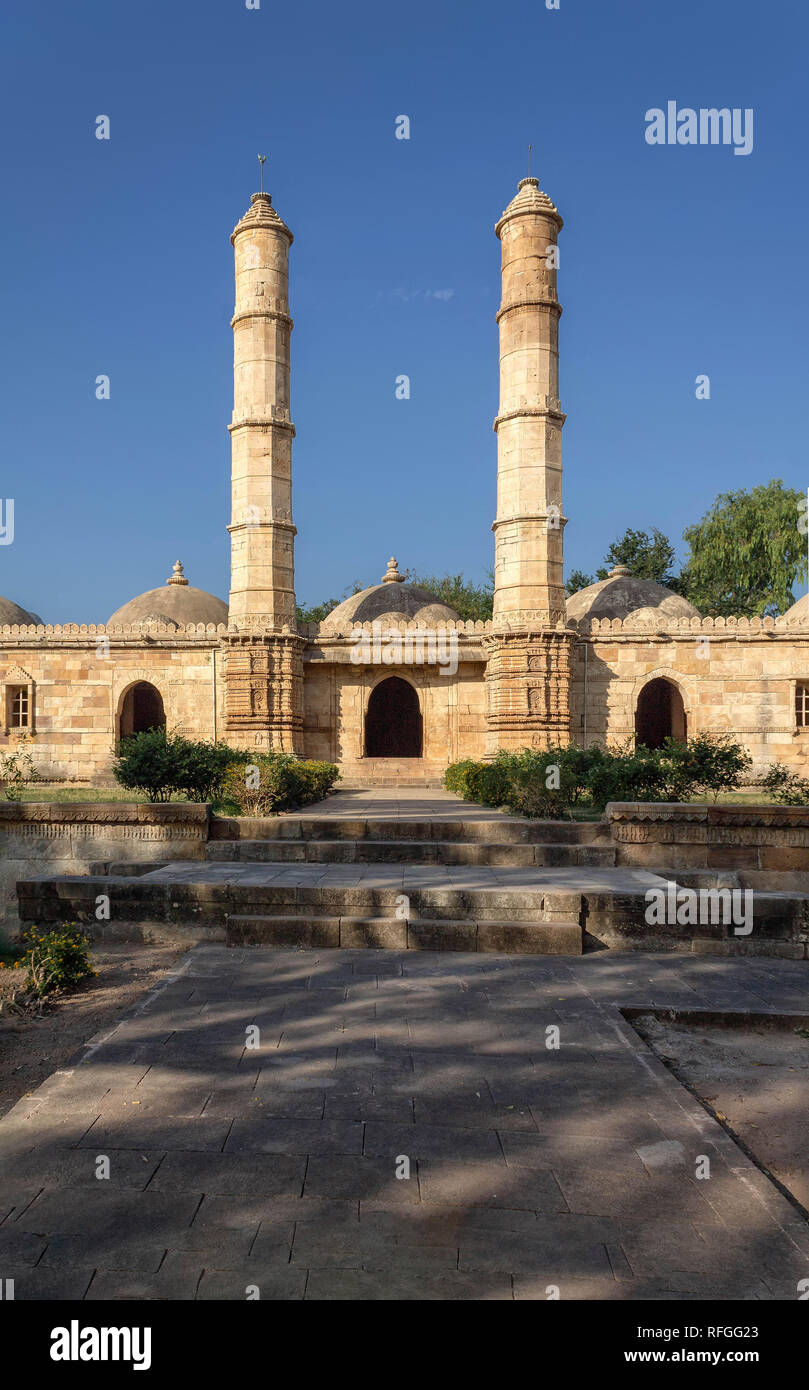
(577, 580)
(472, 602)
(647, 555)
(746, 553)
(318, 611)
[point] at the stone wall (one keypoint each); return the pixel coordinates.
(771, 841)
(80, 676)
(736, 676)
(42, 838)
(453, 705)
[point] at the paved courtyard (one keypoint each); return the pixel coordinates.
(274, 1168)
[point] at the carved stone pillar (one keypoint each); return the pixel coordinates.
(528, 688)
(263, 674)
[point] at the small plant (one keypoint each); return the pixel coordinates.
(785, 787)
(17, 769)
(55, 960)
(264, 784)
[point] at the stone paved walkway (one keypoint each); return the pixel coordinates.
(399, 877)
(276, 1167)
(400, 803)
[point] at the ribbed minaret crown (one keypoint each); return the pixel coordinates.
(261, 213)
(530, 198)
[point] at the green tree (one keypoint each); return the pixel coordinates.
(318, 611)
(746, 553)
(577, 580)
(649, 555)
(472, 602)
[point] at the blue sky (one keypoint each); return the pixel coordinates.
(675, 261)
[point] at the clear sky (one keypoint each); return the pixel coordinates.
(675, 261)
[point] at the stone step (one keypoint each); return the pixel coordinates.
(491, 829)
(420, 934)
(190, 895)
(408, 852)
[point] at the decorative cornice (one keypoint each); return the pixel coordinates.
(273, 523)
(552, 410)
(279, 314)
(276, 421)
(542, 302)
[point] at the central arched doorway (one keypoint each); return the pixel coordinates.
(660, 714)
(142, 709)
(393, 725)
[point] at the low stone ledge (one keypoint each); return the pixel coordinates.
(684, 836)
(74, 837)
(83, 813)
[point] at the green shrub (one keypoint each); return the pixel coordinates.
(547, 783)
(263, 784)
(17, 769)
(786, 787)
(163, 765)
(55, 959)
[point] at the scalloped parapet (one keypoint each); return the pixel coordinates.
(469, 627)
(640, 626)
(57, 630)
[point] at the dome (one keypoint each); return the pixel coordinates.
(177, 602)
(621, 595)
(11, 612)
(799, 612)
(390, 603)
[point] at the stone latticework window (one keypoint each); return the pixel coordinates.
(802, 706)
(18, 701)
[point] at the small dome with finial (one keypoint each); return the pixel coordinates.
(391, 603)
(177, 602)
(621, 595)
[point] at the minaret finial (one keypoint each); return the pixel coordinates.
(530, 148)
(262, 159)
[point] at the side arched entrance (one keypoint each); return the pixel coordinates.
(660, 713)
(141, 708)
(393, 722)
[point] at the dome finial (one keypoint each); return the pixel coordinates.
(177, 576)
(619, 572)
(392, 576)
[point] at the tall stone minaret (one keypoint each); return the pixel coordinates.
(262, 569)
(263, 655)
(529, 582)
(528, 670)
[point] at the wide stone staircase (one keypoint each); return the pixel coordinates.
(397, 881)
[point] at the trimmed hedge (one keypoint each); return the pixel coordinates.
(547, 784)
